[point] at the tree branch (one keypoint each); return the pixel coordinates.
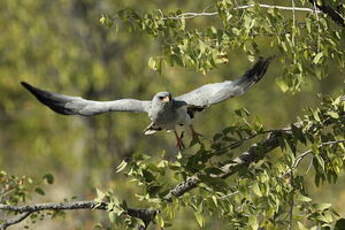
(254, 154)
(301, 156)
(14, 220)
(332, 13)
(146, 215)
(189, 15)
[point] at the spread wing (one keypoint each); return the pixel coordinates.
(214, 93)
(69, 105)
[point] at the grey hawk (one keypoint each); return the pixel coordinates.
(165, 112)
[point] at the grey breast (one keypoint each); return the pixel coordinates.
(167, 116)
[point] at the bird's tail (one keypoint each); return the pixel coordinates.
(255, 74)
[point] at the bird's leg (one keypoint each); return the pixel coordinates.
(195, 134)
(179, 142)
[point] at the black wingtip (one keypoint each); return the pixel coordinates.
(256, 73)
(28, 87)
(52, 100)
(36, 92)
(263, 63)
(25, 84)
(260, 67)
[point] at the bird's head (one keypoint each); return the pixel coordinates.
(162, 98)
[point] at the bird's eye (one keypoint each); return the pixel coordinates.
(161, 98)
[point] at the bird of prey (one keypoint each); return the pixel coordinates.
(165, 112)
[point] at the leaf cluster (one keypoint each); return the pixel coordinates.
(307, 43)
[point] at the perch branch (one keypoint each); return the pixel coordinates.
(146, 215)
(255, 153)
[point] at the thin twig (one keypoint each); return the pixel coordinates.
(240, 142)
(301, 156)
(293, 32)
(318, 28)
(5, 193)
(189, 15)
(229, 195)
(292, 201)
(309, 167)
(14, 220)
(276, 7)
(306, 153)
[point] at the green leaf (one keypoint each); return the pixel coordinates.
(100, 195)
(282, 84)
(160, 220)
(39, 191)
(323, 206)
(333, 114)
(303, 198)
(121, 166)
(149, 177)
(325, 217)
(242, 112)
(253, 222)
(49, 178)
(316, 116)
(214, 198)
(199, 218)
(217, 136)
(320, 161)
(317, 58)
(256, 190)
(301, 226)
(152, 64)
(112, 217)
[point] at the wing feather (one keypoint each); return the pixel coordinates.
(214, 93)
(69, 105)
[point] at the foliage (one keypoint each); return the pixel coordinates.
(267, 194)
(306, 45)
(16, 190)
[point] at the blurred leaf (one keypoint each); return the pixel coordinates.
(256, 189)
(39, 191)
(303, 198)
(49, 178)
(340, 224)
(301, 226)
(121, 166)
(199, 218)
(317, 58)
(323, 206)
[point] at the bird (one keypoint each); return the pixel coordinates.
(165, 111)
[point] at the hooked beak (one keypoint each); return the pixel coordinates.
(166, 99)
